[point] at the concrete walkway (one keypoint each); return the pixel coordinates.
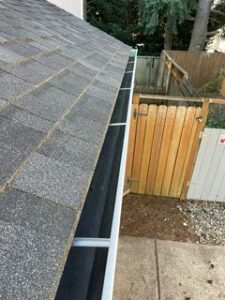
(164, 270)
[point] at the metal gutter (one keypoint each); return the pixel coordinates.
(96, 239)
(91, 242)
(107, 293)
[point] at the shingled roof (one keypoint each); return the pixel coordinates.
(59, 79)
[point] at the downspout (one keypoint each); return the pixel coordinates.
(107, 293)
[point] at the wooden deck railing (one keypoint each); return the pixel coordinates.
(173, 78)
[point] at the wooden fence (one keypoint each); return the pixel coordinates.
(163, 143)
(201, 67)
(172, 78)
(146, 73)
(208, 179)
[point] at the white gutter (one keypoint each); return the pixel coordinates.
(107, 293)
(91, 242)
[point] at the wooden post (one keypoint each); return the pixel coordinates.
(161, 71)
(194, 151)
(136, 99)
(132, 136)
(168, 76)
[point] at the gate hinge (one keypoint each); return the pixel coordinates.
(130, 180)
(136, 114)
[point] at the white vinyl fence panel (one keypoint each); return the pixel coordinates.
(208, 178)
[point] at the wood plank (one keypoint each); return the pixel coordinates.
(136, 98)
(212, 141)
(161, 71)
(130, 152)
(168, 76)
(167, 135)
(218, 181)
(145, 97)
(194, 150)
(182, 151)
(175, 64)
(214, 166)
(177, 131)
(192, 190)
(150, 127)
(191, 139)
(139, 143)
(159, 127)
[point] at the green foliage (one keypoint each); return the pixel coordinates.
(118, 18)
(143, 21)
(216, 117)
(154, 13)
(129, 21)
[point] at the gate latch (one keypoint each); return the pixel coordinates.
(199, 119)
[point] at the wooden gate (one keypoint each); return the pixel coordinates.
(162, 147)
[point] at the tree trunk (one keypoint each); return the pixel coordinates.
(168, 41)
(199, 32)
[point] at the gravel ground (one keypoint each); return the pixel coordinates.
(206, 220)
(172, 219)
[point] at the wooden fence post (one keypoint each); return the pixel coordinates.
(168, 76)
(194, 151)
(161, 71)
(132, 135)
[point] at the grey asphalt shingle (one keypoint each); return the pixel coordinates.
(25, 71)
(94, 109)
(16, 141)
(22, 137)
(71, 150)
(2, 103)
(31, 261)
(59, 80)
(28, 211)
(47, 102)
(82, 70)
(26, 118)
(54, 60)
(70, 82)
(83, 128)
(55, 180)
(11, 85)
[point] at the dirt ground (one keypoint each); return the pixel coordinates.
(171, 219)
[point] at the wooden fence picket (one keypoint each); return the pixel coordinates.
(139, 143)
(147, 149)
(182, 151)
(157, 139)
(178, 126)
(190, 143)
(130, 153)
(166, 139)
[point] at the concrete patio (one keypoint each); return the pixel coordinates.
(150, 269)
